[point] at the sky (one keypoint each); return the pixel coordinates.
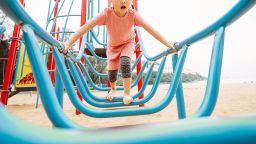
(178, 19)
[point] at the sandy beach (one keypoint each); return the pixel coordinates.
(234, 99)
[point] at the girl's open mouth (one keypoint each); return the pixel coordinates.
(123, 7)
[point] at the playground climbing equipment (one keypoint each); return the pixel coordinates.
(237, 129)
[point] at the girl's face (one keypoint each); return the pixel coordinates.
(121, 6)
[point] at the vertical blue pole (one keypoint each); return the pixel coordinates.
(213, 82)
(43, 81)
(59, 88)
(179, 93)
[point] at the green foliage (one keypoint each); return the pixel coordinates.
(4, 20)
(99, 66)
(4, 46)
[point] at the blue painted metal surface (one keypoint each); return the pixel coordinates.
(213, 82)
(86, 92)
(103, 74)
(234, 130)
(179, 93)
(2, 29)
(241, 7)
(146, 80)
(123, 112)
(43, 81)
(199, 131)
(134, 83)
(88, 96)
(118, 88)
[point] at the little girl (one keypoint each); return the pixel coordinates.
(120, 21)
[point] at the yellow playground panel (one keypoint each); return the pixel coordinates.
(25, 76)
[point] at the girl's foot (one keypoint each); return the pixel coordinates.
(111, 95)
(127, 99)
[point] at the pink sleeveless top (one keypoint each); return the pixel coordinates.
(121, 35)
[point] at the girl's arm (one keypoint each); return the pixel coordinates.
(109, 3)
(158, 36)
(86, 27)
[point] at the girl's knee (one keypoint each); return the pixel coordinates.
(112, 75)
(125, 63)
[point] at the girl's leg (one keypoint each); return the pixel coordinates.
(112, 78)
(126, 75)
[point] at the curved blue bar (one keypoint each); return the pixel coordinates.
(105, 75)
(74, 15)
(96, 38)
(213, 82)
(91, 49)
(87, 95)
(59, 88)
(144, 52)
(77, 75)
(16, 11)
(219, 130)
(43, 81)
(179, 93)
(135, 82)
(22, 64)
(123, 112)
(19, 16)
(233, 14)
(146, 80)
(55, 20)
(49, 6)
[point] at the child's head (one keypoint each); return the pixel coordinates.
(121, 6)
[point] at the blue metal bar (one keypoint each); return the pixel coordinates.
(96, 38)
(73, 15)
(144, 52)
(22, 63)
(91, 49)
(123, 112)
(55, 20)
(20, 16)
(48, 11)
(215, 130)
(241, 7)
(37, 100)
(88, 96)
(105, 75)
(61, 32)
(16, 11)
(98, 27)
(48, 16)
(43, 81)
(66, 21)
(84, 83)
(118, 88)
(59, 88)
(47, 22)
(17, 62)
(179, 93)
(146, 80)
(213, 82)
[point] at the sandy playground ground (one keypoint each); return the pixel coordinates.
(234, 99)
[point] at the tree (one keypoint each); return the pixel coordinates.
(4, 20)
(99, 66)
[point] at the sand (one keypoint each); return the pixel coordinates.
(234, 99)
